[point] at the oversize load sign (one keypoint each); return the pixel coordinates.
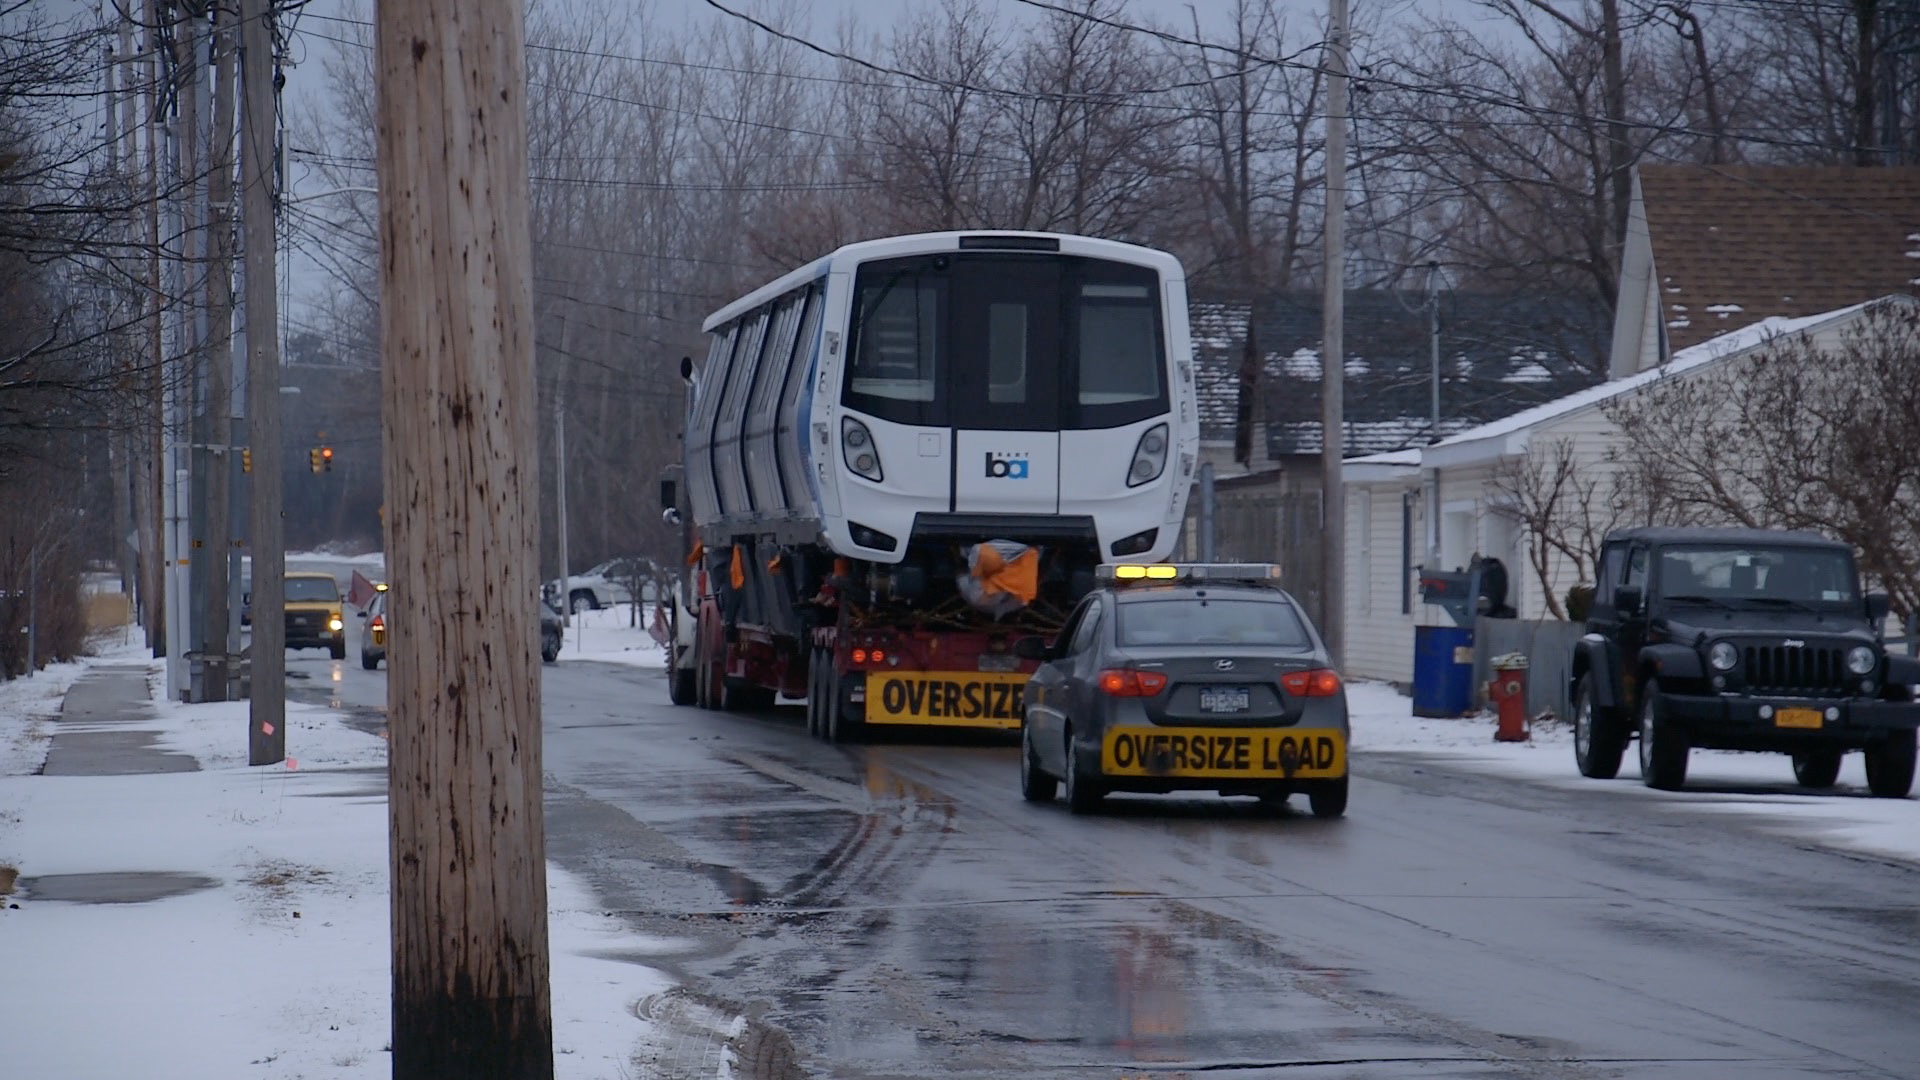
(1210, 752)
(947, 698)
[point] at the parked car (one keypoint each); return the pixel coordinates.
(1184, 677)
(602, 586)
(373, 639)
(373, 643)
(1740, 639)
(552, 632)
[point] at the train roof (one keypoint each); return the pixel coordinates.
(919, 243)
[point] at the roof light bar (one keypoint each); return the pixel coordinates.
(1260, 573)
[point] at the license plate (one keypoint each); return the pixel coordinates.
(1225, 700)
(1224, 754)
(947, 699)
(1797, 718)
(999, 662)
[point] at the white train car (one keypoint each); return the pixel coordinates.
(867, 419)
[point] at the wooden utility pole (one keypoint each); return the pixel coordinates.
(214, 642)
(267, 706)
(470, 996)
(153, 525)
(1333, 428)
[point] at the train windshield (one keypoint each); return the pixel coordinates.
(1009, 342)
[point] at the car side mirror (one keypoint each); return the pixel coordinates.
(1878, 604)
(669, 493)
(1628, 598)
(1031, 647)
(363, 613)
(686, 368)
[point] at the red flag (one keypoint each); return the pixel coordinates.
(361, 592)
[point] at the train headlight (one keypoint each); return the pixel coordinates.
(1860, 660)
(861, 455)
(1149, 457)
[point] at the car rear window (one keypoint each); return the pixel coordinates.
(1192, 621)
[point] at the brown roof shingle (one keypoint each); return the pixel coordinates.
(1733, 244)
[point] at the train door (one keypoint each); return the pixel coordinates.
(1004, 388)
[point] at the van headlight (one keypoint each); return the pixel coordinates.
(1861, 661)
(1723, 656)
(1149, 457)
(856, 444)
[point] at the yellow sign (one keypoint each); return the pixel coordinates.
(1228, 754)
(994, 700)
(1797, 718)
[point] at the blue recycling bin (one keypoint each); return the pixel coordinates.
(1442, 670)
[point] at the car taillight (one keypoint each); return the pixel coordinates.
(1125, 682)
(1318, 682)
(378, 623)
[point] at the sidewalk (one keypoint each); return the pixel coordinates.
(178, 913)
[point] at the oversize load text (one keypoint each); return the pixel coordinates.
(1189, 752)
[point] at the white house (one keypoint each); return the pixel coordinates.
(1439, 505)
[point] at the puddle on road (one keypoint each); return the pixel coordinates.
(128, 888)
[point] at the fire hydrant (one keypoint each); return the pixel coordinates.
(1509, 693)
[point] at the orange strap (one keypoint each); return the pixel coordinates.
(1018, 577)
(738, 572)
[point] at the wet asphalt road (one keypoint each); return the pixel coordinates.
(896, 910)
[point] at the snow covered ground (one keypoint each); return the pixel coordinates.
(278, 968)
(1718, 781)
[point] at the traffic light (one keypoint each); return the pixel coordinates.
(313, 459)
(326, 458)
(246, 459)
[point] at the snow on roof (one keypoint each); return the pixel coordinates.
(1303, 364)
(1728, 344)
(1531, 372)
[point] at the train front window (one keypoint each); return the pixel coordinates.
(1120, 365)
(898, 345)
(1014, 342)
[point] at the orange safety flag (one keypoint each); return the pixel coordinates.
(361, 592)
(699, 551)
(738, 573)
(1018, 577)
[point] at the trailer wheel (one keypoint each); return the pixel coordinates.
(817, 693)
(843, 718)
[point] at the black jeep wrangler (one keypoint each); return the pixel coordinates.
(1740, 639)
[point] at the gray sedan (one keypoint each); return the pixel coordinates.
(1203, 677)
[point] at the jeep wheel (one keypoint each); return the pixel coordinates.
(1816, 768)
(1663, 746)
(1598, 741)
(1890, 765)
(1035, 785)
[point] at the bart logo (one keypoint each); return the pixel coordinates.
(1006, 466)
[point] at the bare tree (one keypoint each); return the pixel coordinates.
(1799, 436)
